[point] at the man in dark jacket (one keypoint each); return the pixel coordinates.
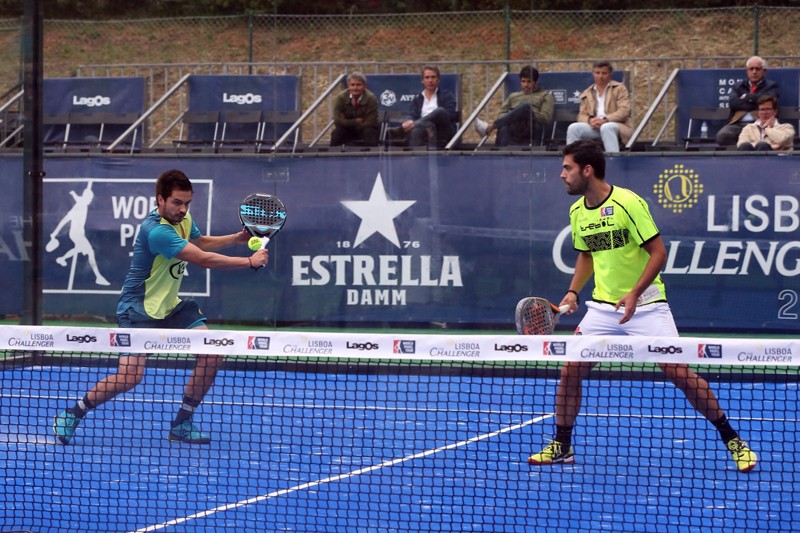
(743, 101)
(355, 114)
(433, 117)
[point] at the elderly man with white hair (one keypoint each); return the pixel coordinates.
(743, 100)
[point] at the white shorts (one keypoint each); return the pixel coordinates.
(649, 320)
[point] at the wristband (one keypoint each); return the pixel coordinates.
(577, 296)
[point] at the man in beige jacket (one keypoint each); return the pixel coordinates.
(766, 133)
(605, 111)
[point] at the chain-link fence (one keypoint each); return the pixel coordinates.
(438, 37)
(477, 45)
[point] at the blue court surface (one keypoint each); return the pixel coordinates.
(304, 452)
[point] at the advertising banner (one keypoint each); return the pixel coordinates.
(421, 240)
(242, 93)
(73, 98)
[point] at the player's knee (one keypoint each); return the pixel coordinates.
(575, 371)
(134, 378)
(130, 375)
(210, 361)
(680, 375)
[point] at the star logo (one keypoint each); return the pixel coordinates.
(377, 214)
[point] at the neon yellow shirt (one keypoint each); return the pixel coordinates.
(614, 233)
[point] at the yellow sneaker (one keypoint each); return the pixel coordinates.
(743, 456)
(552, 454)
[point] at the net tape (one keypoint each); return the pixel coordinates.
(443, 347)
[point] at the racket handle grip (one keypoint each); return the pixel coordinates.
(564, 308)
(264, 242)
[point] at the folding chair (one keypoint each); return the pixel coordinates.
(714, 119)
(201, 130)
(241, 129)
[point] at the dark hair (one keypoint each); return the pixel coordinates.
(171, 180)
(586, 152)
(601, 64)
(529, 72)
(433, 68)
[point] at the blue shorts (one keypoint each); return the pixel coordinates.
(186, 315)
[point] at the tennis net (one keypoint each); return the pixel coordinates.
(333, 432)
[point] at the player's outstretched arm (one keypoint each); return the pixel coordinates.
(212, 260)
(212, 243)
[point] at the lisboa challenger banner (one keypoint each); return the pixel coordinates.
(410, 240)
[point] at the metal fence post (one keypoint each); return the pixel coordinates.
(756, 13)
(507, 12)
(250, 41)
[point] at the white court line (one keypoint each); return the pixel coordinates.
(339, 477)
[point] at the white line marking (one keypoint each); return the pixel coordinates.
(339, 477)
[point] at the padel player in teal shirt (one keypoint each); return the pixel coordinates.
(167, 241)
(152, 284)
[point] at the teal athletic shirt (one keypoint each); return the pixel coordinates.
(154, 279)
(614, 232)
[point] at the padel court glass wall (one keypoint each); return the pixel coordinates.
(415, 238)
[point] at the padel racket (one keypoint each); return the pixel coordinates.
(262, 215)
(537, 316)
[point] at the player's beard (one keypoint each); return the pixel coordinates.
(577, 188)
(173, 218)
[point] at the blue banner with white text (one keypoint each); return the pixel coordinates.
(417, 240)
(68, 100)
(227, 94)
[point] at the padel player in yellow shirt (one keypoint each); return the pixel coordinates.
(619, 245)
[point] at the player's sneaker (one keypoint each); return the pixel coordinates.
(64, 425)
(743, 456)
(188, 433)
(551, 454)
